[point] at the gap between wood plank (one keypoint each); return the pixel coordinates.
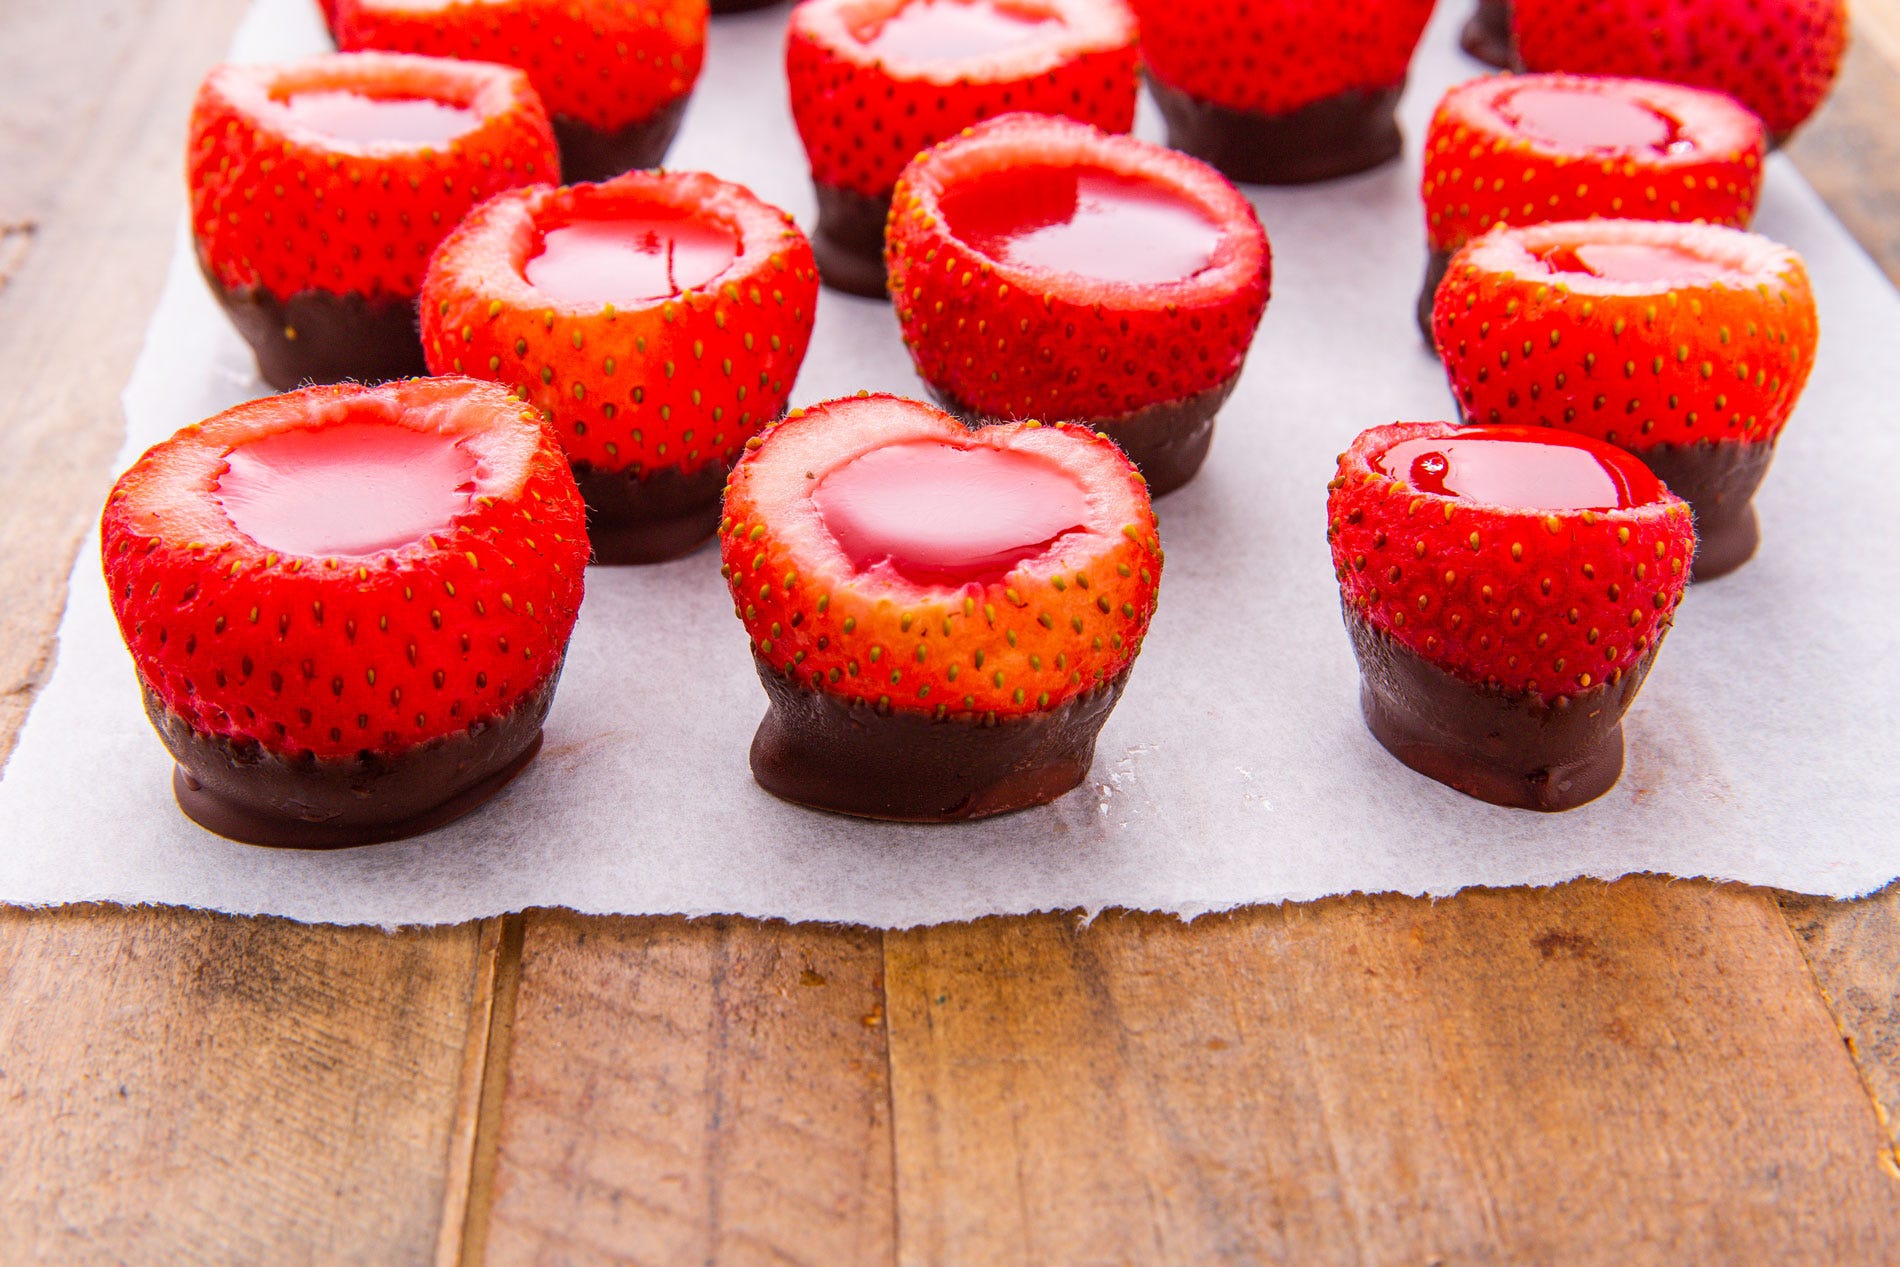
(469, 1193)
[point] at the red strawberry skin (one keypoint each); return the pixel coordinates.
(1636, 366)
(1776, 57)
(279, 207)
(1010, 343)
(332, 657)
(1479, 172)
(676, 383)
(1524, 601)
(1273, 57)
(862, 119)
(603, 63)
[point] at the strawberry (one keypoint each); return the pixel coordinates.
(345, 571)
(295, 209)
(1042, 268)
(974, 598)
(1686, 344)
(615, 74)
(1281, 91)
(1506, 589)
(1777, 57)
(1530, 148)
(657, 321)
(874, 83)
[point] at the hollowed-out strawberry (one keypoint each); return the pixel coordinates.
(1686, 344)
(943, 618)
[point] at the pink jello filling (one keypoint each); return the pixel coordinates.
(1524, 468)
(1634, 262)
(351, 116)
(625, 261)
(1586, 120)
(1082, 220)
(355, 488)
(939, 514)
(956, 30)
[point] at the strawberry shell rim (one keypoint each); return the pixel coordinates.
(490, 250)
(256, 91)
(1088, 27)
(1751, 261)
(1723, 129)
(776, 467)
(1242, 252)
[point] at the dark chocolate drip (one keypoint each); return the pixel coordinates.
(653, 517)
(1718, 479)
(1507, 747)
(849, 241)
(319, 336)
(1487, 34)
(1437, 263)
(1351, 132)
(588, 153)
(851, 757)
(245, 793)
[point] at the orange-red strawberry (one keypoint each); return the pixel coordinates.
(348, 569)
(1506, 589)
(657, 320)
(1042, 268)
(320, 187)
(875, 81)
(615, 74)
(1685, 344)
(1776, 57)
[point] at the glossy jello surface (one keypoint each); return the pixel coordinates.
(1577, 119)
(356, 488)
(940, 514)
(1634, 262)
(1082, 220)
(366, 120)
(629, 260)
(1523, 468)
(957, 30)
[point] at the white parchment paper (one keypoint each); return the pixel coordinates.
(1236, 770)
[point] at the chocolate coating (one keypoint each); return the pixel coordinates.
(247, 794)
(1167, 441)
(1506, 747)
(1487, 34)
(1436, 265)
(1718, 479)
(849, 757)
(740, 6)
(635, 518)
(849, 241)
(318, 336)
(1343, 134)
(587, 153)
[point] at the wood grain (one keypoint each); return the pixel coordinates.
(1639, 1073)
(1850, 150)
(705, 1091)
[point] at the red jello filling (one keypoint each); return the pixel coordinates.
(1082, 220)
(1634, 262)
(626, 261)
(1587, 120)
(1523, 468)
(940, 514)
(356, 488)
(957, 30)
(365, 120)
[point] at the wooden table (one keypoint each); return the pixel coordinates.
(1645, 1071)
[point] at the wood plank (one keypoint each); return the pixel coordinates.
(708, 1091)
(1639, 1072)
(184, 1086)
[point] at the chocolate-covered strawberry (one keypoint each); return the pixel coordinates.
(1688, 345)
(1042, 268)
(875, 81)
(1776, 57)
(1506, 590)
(942, 618)
(348, 606)
(320, 187)
(657, 320)
(1530, 148)
(1281, 92)
(615, 74)
(1486, 34)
